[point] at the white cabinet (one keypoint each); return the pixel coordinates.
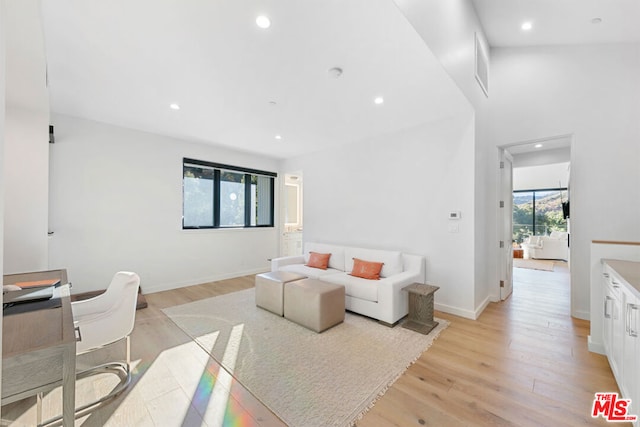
(621, 280)
(631, 352)
(613, 322)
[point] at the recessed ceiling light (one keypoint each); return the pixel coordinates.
(538, 146)
(596, 20)
(263, 22)
(378, 100)
(526, 26)
(278, 136)
(335, 72)
(174, 106)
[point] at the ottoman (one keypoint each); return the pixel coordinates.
(314, 304)
(270, 291)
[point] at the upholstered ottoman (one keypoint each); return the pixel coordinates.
(270, 289)
(314, 304)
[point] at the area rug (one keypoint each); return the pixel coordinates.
(533, 264)
(307, 379)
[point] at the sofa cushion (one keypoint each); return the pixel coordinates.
(336, 260)
(318, 260)
(310, 272)
(533, 240)
(561, 235)
(356, 287)
(366, 269)
(392, 260)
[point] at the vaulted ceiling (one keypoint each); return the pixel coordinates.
(124, 62)
(271, 91)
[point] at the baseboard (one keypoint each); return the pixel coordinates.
(467, 314)
(481, 308)
(595, 347)
(176, 285)
(457, 311)
(141, 301)
(579, 314)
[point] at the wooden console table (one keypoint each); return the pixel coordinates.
(39, 353)
(420, 318)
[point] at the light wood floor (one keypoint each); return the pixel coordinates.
(524, 362)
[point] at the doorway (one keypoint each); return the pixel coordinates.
(292, 215)
(534, 218)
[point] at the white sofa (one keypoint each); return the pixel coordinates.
(554, 246)
(381, 299)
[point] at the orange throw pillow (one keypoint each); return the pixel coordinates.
(317, 260)
(366, 269)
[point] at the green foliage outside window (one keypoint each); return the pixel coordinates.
(548, 213)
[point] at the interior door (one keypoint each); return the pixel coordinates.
(506, 226)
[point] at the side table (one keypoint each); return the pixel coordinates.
(420, 318)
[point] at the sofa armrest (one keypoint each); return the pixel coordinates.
(398, 281)
(393, 301)
(277, 263)
(553, 243)
(553, 249)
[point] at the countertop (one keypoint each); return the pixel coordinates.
(628, 270)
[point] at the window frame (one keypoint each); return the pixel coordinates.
(218, 168)
(533, 203)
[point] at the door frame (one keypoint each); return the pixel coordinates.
(505, 219)
(500, 226)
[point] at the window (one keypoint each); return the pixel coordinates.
(538, 212)
(223, 196)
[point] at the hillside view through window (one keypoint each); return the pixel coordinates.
(538, 212)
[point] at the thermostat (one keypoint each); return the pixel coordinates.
(454, 215)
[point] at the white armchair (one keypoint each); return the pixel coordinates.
(554, 246)
(103, 320)
(108, 317)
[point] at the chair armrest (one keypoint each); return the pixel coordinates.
(87, 307)
(100, 329)
(277, 263)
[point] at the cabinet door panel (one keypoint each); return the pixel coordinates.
(631, 348)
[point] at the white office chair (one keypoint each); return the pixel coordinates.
(101, 321)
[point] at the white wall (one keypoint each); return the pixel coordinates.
(395, 192)
(116, 204)
(593, 93)
(554, 175)
(2, 181)
(449, 28)
(26, 166)
(26, 171)
(538, 158)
